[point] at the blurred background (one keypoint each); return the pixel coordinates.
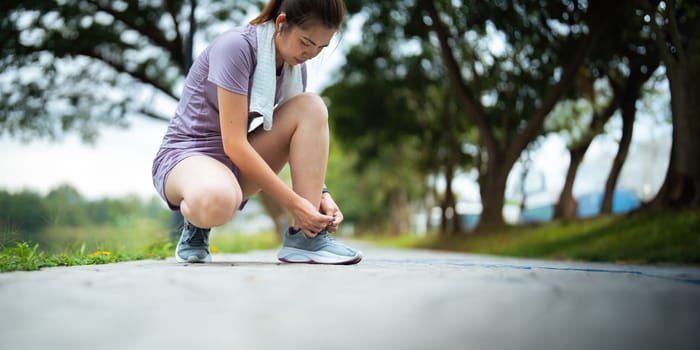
(449, 118)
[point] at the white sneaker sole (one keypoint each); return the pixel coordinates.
(193, 259)
(294, 255)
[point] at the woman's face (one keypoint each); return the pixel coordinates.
(296, 45)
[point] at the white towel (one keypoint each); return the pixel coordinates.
(262, 97)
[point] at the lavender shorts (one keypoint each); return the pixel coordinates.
(167, 158)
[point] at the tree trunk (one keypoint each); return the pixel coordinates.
(400, 213)
(630, 95)
(566, 206)
(451, 201)
(499, 160)
(188, 47)
(492, 188)
(448, 204)
(681, 187)
(527, 164)
(679, 48)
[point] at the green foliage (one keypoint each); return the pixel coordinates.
(126, 236)
(27, 256)
(133, 235)
(27, 215)
(66, 206)
(512, 55)
(22, 212)
(21, 257)
(393, 115)
(76, 65)
(364, 191)
(159, 249)
(398, 87)
(236, 243)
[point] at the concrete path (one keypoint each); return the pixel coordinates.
(392, 300)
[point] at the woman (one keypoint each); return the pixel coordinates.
(209, 163)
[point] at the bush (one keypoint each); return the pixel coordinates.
(22, 212)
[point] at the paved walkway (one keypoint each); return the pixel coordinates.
(392, 300)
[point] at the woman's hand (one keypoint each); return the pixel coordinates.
(310, 219)
(329, 207)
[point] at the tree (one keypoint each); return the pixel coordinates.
(675, 29)
(625, 59)
(21, 213)
(76, 65)
(66, 206)
(393, 109)
(640, 72)
(508, 94)
(566, 205)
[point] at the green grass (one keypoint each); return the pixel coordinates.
(84, 245)
(88, 245)
(130, 237)
(236, 243)
(27, 256)
(649, 238)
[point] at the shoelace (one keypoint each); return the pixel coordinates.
(324, 235)
(196, 237)
(329, 240)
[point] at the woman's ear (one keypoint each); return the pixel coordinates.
(280, 21)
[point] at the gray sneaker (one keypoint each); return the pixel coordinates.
(193, 246)
(322, 249)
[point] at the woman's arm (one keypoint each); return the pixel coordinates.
(233, 111)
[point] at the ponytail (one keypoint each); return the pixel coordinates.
(329, 13)
(269, 13)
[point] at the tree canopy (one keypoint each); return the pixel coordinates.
(433, 88)
(76, 65)
(506, 65)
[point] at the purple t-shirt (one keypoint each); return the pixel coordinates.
(229, 62)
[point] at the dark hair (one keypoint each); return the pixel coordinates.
(329, 13)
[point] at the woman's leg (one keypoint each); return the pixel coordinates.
(300, 137)
(206, 191)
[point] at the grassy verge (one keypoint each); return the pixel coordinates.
(84, 245)
(27, 256)
(133, 236)
(657, 238)
(89, 245)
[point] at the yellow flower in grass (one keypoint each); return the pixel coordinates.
(213, 249)
(100, 253)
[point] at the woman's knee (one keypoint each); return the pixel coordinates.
(207, 201)
(313, 106)
(212, 205)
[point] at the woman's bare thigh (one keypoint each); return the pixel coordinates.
(200, 174)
